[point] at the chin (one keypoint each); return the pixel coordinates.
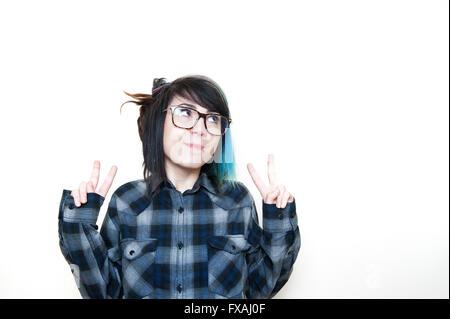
(189, 159)
(190, 165)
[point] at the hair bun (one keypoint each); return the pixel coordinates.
(158, 84)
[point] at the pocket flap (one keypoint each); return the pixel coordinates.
(134, 248)
(233, 244)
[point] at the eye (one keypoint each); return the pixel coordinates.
(184, 111)
(213, 118)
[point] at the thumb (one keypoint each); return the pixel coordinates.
(272, 196)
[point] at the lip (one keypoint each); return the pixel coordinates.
(195, 146)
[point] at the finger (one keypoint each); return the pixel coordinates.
(76, 197)
(95, 173)
(83, 196)
(285, 199)
(271, 196)
(282, 191)
(271, 170)
(90, 188)
(108, 181)
(262, 188)
(291, 198)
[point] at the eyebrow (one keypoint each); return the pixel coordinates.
(194, 107)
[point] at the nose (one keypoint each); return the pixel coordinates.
(200, 127)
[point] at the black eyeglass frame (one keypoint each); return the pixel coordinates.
(200, 115)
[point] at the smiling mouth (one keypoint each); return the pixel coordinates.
(195, 146)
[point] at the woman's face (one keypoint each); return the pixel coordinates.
(189, 148)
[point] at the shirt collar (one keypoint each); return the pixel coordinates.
(204, 180)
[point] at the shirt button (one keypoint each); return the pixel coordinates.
(180, 245)
(71, 206)
(180, 210)
(179, 287)
(280, 216)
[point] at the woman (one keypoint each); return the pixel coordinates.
(188, 229)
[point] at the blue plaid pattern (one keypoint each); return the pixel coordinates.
(203, 243)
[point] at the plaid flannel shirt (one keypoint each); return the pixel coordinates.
(203, 243)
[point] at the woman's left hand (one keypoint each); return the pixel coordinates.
(273, 193)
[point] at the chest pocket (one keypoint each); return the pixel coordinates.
(138, 259)
(227, 268)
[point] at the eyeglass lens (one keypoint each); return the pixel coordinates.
(186, 118)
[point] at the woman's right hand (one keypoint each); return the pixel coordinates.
(80, 195)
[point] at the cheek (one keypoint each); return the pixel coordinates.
(212, 147)
(172, 136)
(172, 139)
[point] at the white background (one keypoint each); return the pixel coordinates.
(351, 97)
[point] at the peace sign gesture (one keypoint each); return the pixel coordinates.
(274, 192)
(80, 195)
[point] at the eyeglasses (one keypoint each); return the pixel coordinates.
(187, 117)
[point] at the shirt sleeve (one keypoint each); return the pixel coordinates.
(274, 250)
(94, 257)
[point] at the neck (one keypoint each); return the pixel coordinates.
(181, 177)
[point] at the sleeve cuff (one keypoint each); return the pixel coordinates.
(86, 213)
(279, 219)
